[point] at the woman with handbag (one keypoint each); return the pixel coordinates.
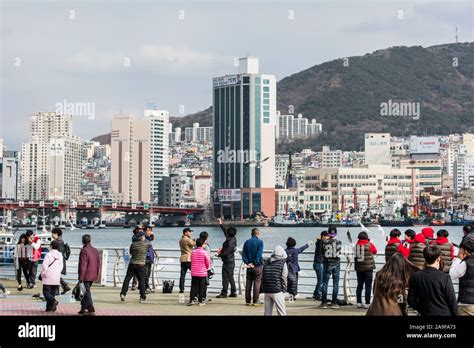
(51, 275)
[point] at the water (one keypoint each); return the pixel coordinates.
(168, 237)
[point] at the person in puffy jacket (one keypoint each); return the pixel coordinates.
(200, 264)
(274, 281)
(446, 247)
(404, 248)
(88, 272)
(51, 276)
(428, 233)
(34, 244)
(364, 263)
(393, 243)
(416, 251)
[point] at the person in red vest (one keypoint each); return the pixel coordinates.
(447, 249)
(405, 246)
(428, 232)
(393, 243)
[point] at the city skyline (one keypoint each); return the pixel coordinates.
(180, 56)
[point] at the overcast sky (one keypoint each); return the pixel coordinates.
(78, 51)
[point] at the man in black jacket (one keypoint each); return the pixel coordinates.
(56, 234)
(226, 253)
(431, 292)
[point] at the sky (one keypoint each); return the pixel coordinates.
(117, 56)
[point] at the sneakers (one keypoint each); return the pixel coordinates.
(20, 287)
(142, 300)
(191, 303)
(30, 286)
(82, 311)
(65, 290)
(360, 305)
(133, 288)
(248, 304)
(334, 305)
(366, 306)
(181, 291)
(90, 311)
(316, 298)
(221, 295)
(323, 305)
(202, 303)
(55, 306)
(233, 295)
(257, 304)
(122, 297)
(6, 293)
(149, 291)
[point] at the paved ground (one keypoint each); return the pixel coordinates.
(107, 302)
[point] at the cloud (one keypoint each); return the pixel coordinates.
(152, 58)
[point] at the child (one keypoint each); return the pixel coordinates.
(293, 253)
(404, 248)
(447, 249)
(200, 263)
(364, 265)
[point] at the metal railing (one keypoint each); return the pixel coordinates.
(167, 267)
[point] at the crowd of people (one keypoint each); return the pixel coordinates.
(418, 272)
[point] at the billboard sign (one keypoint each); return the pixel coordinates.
(227, 80)
(424, 145)
(229, 195)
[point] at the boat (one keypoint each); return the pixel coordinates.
(7, 246)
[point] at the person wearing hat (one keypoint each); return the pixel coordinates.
(136, 267)
(331, 267)
(186, 244)
(463, 269)
(428, 232)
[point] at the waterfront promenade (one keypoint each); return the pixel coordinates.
(107, 303)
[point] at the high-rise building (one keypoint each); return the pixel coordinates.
(1, 147)
(139, 155)
(197, 134)
(291, 127)
(377, 149)
(34, 159)
(9, 175)
(244, 118)
(331, 158)
(65, 166)
(159, 147)
(463, 170)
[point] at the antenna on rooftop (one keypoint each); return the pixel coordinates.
(456, 34)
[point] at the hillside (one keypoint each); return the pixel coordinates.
(347, 99)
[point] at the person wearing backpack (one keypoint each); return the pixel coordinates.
(64, 249)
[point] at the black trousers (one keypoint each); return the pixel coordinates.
(32, 269)
(49, 293)
(198, 288)
(364, 279)
(86, 302)
(139, 272)
(147, 275)
(23, 266)
(185, 266)
(63, 283)
(228, 277)
(253, 280)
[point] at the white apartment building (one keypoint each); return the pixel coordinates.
(291, 127)
(373, 182)
(65, 166)
(198, 134)
(463, 170)
(9, 175)
(34, 158)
